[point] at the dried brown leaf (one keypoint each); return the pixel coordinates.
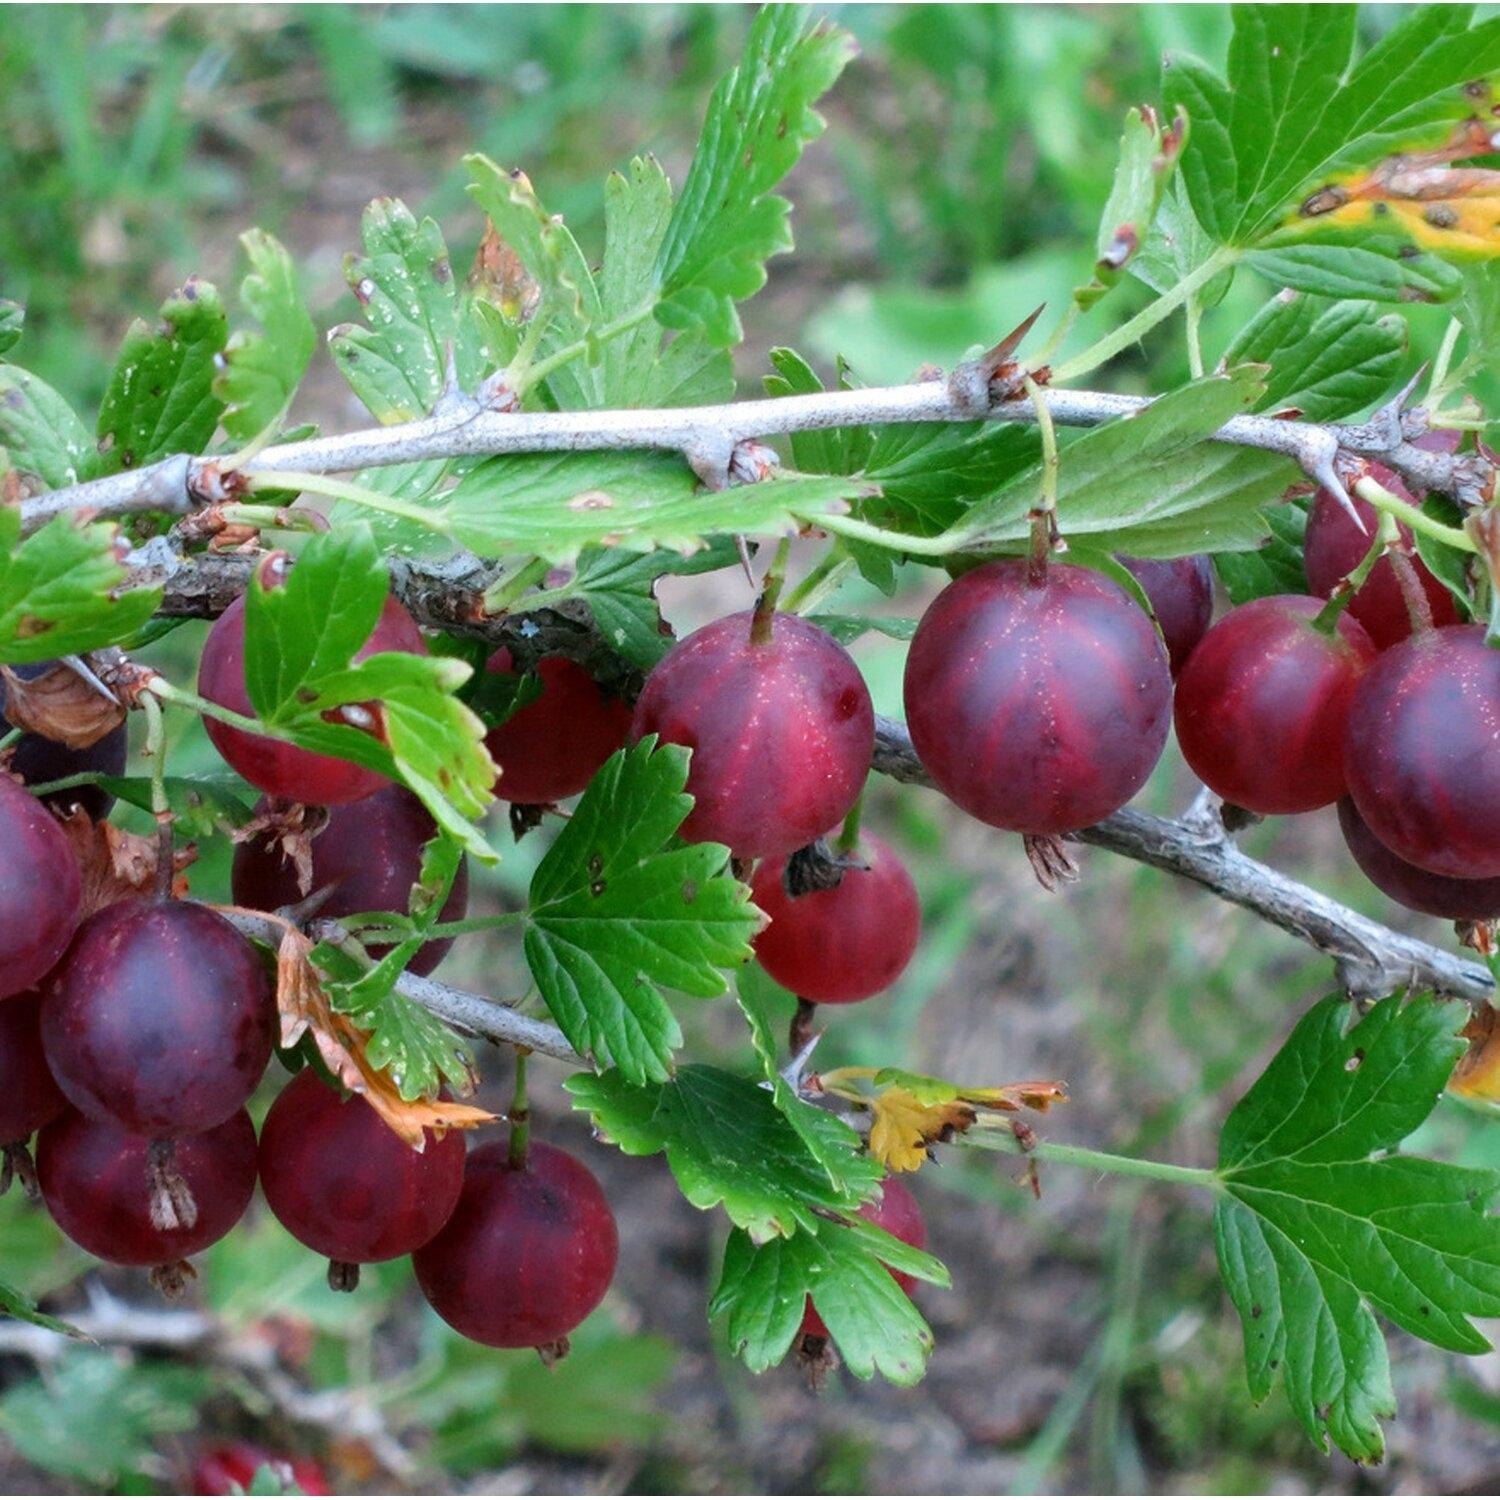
(119, 866)
(59, 705)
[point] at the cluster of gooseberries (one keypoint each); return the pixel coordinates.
(1039, 697)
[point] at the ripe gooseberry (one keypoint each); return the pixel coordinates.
(780, 725)
(96, 1182)
(1417, 889)
(846, 943)
(896, 1212)
(528, 1253)
(1422, 756)
(29, 1097)
(369, 851)
(36, 759)
(346, 1185)
(230, 1469)
(1181, 591)
(1333, 545)
(280, 769)
(1038, 703)
(552, 745)
(1263, 702)
(159, 1019)
(40, 888)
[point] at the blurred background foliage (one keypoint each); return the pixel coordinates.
(1087, 1344)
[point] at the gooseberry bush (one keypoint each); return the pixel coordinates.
(455, 606)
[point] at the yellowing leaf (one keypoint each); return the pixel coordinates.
(1420, 196)
(304, 1007)
(1477, 1075)
(911, 1110)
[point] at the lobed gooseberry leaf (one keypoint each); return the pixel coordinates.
(833, 450)
(403, 1040)
(1325, 360)
(727, 1143)
(262, 369)
(1321, 1222)
(619, 911)
(763, 1291)
(161, 398)
(404, 283)
(300, 641)
(61, 589)
(727, 222)
(833, 1143)
(40, 431)
(636, 369)
(1295, 111)
(201, 805)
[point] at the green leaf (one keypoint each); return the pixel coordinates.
(1176, 247)
(202, 805)
(763, 1291)
(1148, 482)
(301, 638)
(96, 1415)
(160, 399)
(568, 299)
(1148, 157)
(1321, 1224)
(835, 1145)
(617, 913)
(555, 504)
(1292, 113)
(834, 450)
(847, 628)
(726, 1142)
(58, 589)
(1327, 360)
(1377, 268)
(12, 319)
(635, 369)
(1447, 564)
(40, 431)
(398, 366)
(1275, 568)
(262, 370)
(16, 1304)
(620, 591)
(419, 1052)
(726, 223)
(1479, 312)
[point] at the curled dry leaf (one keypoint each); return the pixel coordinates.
(119, 866)
(1477, 1075)
(59, 705)
(910, 1111)
(303, 1005)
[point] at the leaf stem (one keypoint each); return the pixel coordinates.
(1193, 316)
(569, 352)
(11, 737)
(509, 587)
(830, 571)
(344, 489)
(1376, 494)
(1149, 316)
(1098, 1161)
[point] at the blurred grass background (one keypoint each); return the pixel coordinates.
(1086, 1344)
